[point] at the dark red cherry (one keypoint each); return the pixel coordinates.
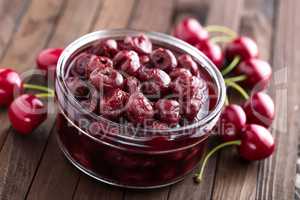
(127, 61)
(144, 73)
(163, 59)
(106, 48)
(10, 82)
(212, 51)
(191, 108)
(47, 59)
(26, 113)
(187, 62)
(139, 108)
(190, 30)
(131, 84)
(260, 109)
(168, 111)
(243, 47)
(113, 104)
(157, 84)
(256, 143)
(232, 120)
(91, 102)
(180, 72)
(106, 79)
(78, 88)
(80, 63)
(258, 72)
(187, 87)
(140, 44)
(97, 62)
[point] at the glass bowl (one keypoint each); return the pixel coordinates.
(124, 155)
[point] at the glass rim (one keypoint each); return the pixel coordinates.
(206, 64)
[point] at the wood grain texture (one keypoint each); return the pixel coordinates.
(152, 15)
(10, 14)
(114, 14)
(55, 174)
(277, 175)
(20, 156)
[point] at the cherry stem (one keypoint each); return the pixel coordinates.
(223, 39)
(238, 88)
(236, 78)
(45, 95)
(39, 87)
(221, 29)
(231, 66)
(198, 176)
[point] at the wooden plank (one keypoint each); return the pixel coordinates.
(115, 14)
(87, 188)
(10, 14)
(20, 156)
(277, 175)
(194, 8)
(152, 15)
(59, 180)
(234, 178)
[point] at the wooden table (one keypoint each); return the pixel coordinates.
(34, 168)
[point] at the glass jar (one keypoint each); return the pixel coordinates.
(124, 155)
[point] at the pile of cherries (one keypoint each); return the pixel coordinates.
(243, 125)
(133, 72)
(139, 82)
(27, 111)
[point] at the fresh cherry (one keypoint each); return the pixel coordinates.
(168, 110)
(47, 59)
(260, 109)
(190, 30)
(107, 48)
(139, 108)
(257, 143)
(212, 51)
(258, 72)
(127, 61)
(106, 79)
(10, 82)
(113, 104)
(26, 113)
(157, 84)
(140, 44)
(163, 59)
(187, 62)
(243, 47)
(231, 122)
